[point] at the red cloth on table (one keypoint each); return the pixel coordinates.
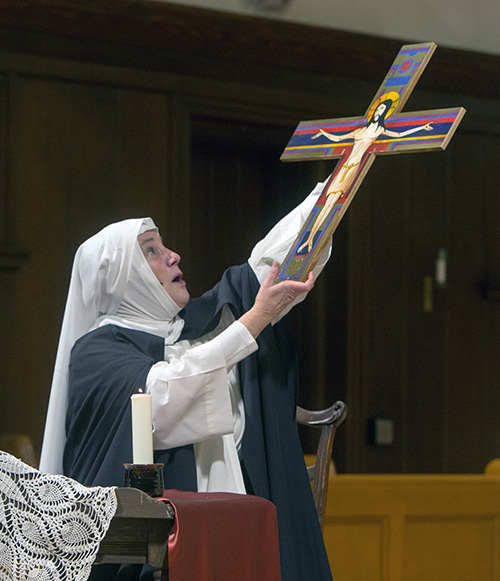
(219, 536)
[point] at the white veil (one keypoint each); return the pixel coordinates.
(111, 283)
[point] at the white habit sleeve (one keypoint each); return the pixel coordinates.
(190, 389)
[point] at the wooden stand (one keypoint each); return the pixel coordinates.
(139, 532)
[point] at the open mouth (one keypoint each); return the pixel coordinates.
(178, 278)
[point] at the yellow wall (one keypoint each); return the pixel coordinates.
(414, 527)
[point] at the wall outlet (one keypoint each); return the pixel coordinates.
(381, 431)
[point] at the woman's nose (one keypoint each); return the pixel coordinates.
(172, 257)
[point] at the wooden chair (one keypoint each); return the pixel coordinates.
(328, 420)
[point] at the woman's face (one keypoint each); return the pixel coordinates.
(165, 265)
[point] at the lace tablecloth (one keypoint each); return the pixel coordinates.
(50, 526)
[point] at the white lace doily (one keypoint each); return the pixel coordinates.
(50, 526)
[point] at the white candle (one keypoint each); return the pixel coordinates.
(142, 428)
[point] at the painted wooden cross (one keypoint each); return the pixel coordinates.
(356, 141)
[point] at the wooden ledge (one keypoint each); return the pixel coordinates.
(153, 28)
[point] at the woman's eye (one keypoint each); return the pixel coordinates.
(151, 252)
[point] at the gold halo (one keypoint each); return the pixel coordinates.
(394, 98)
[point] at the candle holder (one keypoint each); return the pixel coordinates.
(145, 477)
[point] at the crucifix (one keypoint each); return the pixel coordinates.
(356, 141)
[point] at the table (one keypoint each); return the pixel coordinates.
(189, 535)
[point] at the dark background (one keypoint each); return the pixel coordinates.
(127, 109)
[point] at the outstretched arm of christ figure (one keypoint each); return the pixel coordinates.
(333, 137)
(427, 127)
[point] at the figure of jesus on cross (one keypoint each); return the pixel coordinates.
(363, 138)
(356, 141)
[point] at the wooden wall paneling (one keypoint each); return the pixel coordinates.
(430, 342)
(66, 189)
(4, 276)
(93, 156)
(12, 257)
(226, 194)
(6, 351)
(428, 193)
(466, 363)
(147, 32)
(491, 403)
(38, 215)
(385, 281)
(376, 301)
(7, 258)
(129, 174)
(4, 117)
(177, 220)
(142, 152)
(100, 97)
(234, 186)
(358, 328)
(397, 227)
(236, 168)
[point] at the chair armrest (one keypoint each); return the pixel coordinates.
(334, 415)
